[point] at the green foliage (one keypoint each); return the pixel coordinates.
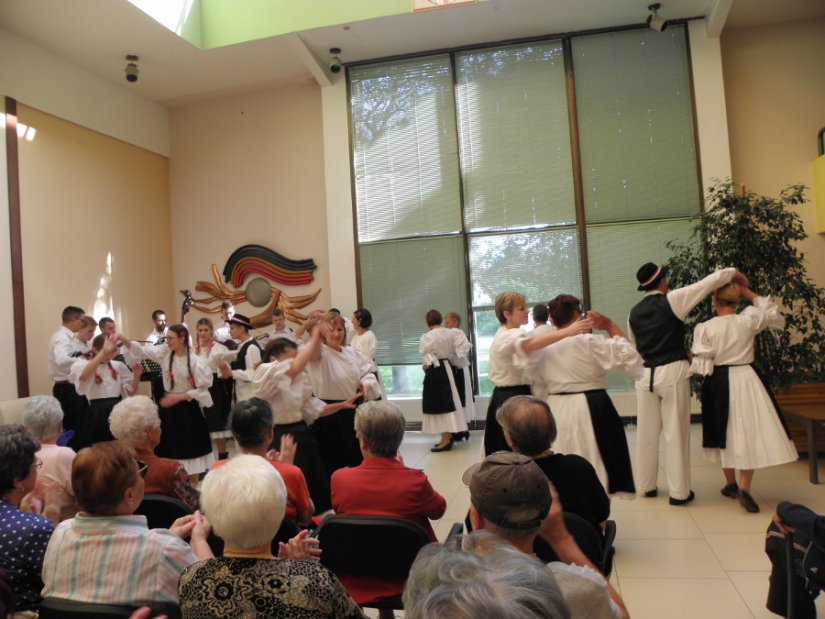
(757, 235)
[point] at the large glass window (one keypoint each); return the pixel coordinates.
(470, 180)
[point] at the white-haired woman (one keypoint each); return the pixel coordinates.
(135, 421)
(43, 417)
(248, 580)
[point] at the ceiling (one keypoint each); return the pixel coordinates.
(97, 34)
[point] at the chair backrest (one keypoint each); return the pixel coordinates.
(597, 548)
(161, 510)
(51, 608)
(370, 545)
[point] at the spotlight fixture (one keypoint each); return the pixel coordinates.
(131, 69)
(653, 20)
(334, 60)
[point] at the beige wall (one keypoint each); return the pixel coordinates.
(249, 169)
(775, 89)
(87, 201)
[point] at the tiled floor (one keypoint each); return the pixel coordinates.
(702, 560)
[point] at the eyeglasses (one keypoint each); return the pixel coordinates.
(142, 467)
(37, 463)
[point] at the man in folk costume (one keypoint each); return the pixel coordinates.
(656, 327)
(248, 356)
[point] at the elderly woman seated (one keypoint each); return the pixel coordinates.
(245, 501)
(106, 554)
(484, 577)
(43, 418)
(382, 486)
(135, 421)
(23, 536)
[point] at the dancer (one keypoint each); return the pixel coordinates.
(338, 372)
(441, 400)
(282, 381)
(186, 382)
(657, 330)
(364, 342)
(217, 415)
(572, 373)
(509, 380)
(742, 427)
(104, 382)
(248, 356)
(464, 381)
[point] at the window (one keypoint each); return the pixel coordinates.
(474, 175)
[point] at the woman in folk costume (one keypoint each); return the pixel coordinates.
(186, 382)
(282, 381)
(338, 372)
(217, 415)
(572, 374)
(742, 427)
(464, 381)
(441, 401)
(364, 341)
(509, 379)
(104, 382)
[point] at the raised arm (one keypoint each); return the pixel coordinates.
(536, 342)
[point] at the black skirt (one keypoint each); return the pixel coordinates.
(493, 434)
(336, 439)
(611, 440)
(94, 426)
(308, 459)
(217, 415)
(183, 432)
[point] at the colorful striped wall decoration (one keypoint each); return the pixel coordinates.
(258, 260)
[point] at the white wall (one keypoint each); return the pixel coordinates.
(43, 80)
(249, 169)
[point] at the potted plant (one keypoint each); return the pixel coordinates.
(757, 235)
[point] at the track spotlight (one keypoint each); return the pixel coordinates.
(653, 20)
(131, 69)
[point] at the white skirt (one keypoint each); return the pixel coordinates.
(195, 466)
(445, 422)
(575, 431)
(755, 437)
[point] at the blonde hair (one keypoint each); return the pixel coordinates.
(454, 316)
(728, 295)
(334, 319)
(507, 302)
(87, 321)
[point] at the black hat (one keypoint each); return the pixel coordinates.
(240, 319)
(649, 275)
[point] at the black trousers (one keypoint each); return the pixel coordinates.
(804, 607)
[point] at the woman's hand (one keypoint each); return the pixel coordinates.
(300, 547)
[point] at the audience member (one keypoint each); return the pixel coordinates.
(106, 554)
(511, 497)
(382, 486)
(530, 429)
(481, 576)
(251, 423)
(808, 558)
(43, 418)
(23, 536)
(135, 421)
(245, 500)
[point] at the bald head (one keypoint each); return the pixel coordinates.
(528, 423)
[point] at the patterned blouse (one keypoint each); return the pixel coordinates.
(233, 588)
(23, 541)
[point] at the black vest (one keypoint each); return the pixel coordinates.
(240, 362)
(660, 335)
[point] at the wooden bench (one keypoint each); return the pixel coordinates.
(811, 416)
